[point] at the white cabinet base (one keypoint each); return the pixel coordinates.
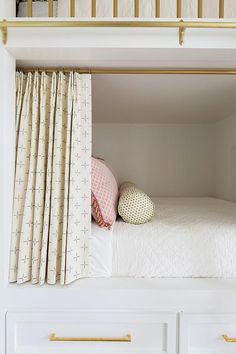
(203, 333)
(29, 332)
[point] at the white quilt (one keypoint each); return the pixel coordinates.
(188, 237)
(147, 8)
(40, 9)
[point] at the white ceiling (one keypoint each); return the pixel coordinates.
(163, 98)
(126, 57)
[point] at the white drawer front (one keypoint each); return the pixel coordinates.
(202, 333)
(29, 332)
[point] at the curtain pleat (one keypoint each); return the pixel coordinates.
(77, 255)
(67, 174)
(48, 184)
(26, 238)
(20, 89)
(40, 182)
(57, 178)
(21, 181)
(51, 213)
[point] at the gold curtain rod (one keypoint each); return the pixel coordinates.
(129, 71)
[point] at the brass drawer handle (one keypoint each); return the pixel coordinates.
(228, 339)
(54, 338)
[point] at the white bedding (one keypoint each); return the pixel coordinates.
(147, 8)
(126, 8)
(40, 9)
(188, 237)
(101, 252)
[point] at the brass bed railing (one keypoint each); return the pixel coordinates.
(136, 22)
(72, 8)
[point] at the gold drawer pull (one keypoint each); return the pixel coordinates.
(228, 339)
(54, 338)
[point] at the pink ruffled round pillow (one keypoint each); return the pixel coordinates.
(104, 194)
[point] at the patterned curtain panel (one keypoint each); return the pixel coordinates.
(52, 195)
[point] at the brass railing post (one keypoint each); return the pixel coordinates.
(3, 29)
(179, 8)
(221, 8)
(158, 9)
(94, 8)
(199, 9)
(50, 8)
(115, 8)
(72, 8)
(30, 8)
(136, 8)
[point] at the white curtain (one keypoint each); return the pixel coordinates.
(52, 207)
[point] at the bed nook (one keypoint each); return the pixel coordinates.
(176, 215)
(118, 154)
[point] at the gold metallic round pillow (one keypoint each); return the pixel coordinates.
(135, 206)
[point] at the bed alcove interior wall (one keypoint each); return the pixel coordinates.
(173, 135)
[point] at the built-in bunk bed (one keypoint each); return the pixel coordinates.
(164, 118)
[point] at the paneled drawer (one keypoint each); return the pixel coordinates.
(203, 333)
(29, 332)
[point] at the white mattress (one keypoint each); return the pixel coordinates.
(126, 8)
(188, 237)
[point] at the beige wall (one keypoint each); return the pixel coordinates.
(226, 158)
(172, 159)
(163, 159)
